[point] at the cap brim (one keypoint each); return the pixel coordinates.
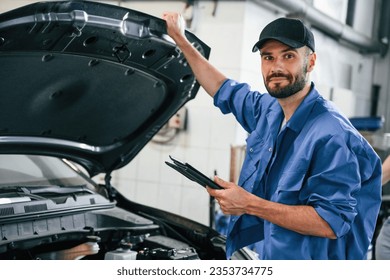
(291, 43)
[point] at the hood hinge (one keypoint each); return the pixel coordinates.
(111, 192)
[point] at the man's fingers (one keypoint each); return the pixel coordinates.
(175, 22)
(221, 182)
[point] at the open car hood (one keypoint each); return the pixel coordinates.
(87, 81)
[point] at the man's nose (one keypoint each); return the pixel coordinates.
(277, 66)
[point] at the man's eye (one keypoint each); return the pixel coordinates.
(289, 56)
(267, 57)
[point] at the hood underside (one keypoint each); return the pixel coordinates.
(87, 81)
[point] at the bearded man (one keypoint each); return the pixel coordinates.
(310, 184)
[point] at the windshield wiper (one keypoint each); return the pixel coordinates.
(12, 194)
(44, 189)
(58, 190)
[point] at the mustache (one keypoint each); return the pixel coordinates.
(278, 75)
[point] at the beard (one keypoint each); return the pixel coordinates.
(292, 88)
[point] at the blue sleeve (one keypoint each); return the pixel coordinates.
(244, 104)
(337, 190)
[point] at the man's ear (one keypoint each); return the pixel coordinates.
(312, 62)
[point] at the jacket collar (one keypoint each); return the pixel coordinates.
(303, 111)
(301, 114)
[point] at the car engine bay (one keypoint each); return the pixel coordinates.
(95, 229)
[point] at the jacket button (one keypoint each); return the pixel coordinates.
(270, 150)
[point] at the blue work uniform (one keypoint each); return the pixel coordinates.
(319, 159)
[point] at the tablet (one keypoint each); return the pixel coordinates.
(192, 173)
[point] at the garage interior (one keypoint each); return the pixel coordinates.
(353, 70)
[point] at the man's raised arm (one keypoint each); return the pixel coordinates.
(206, 74)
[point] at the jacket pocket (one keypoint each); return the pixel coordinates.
(289, 187)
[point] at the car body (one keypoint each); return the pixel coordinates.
(84, 87)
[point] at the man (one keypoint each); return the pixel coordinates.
(310, 185)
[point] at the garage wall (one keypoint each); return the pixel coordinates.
(230, 29)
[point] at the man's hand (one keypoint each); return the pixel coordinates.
(206, 74)
(232, 199)
(175, 25)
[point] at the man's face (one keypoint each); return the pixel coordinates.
(285, 70)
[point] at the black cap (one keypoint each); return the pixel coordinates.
(291, 32)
